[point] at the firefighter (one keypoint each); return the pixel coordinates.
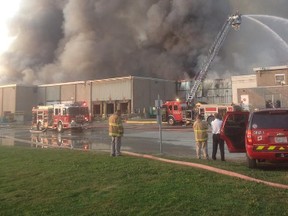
(116, 131)
(201, 136)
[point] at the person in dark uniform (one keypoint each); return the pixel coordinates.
(217, 141)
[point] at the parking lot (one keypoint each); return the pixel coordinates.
(144, 138)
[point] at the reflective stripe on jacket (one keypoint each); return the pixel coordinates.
(115, 126)
(200, 131)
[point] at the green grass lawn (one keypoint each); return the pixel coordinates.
(67, 182)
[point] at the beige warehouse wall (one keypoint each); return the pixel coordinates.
(238, 82)
(67, 93)
(83, 92)
(18, 100)
(53, 93)
(112, 89)
(9, 99)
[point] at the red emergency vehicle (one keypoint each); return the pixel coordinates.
(207, 111)
(181, 112)
(261, 134)
(60, 116)
(176, 112)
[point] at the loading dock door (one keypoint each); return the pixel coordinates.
(124, 108)
(96, 109)
(110, 108)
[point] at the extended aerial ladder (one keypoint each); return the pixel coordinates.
(233, 21)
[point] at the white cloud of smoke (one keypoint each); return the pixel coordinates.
(68, 40)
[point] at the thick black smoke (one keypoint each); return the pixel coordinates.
(68, 40)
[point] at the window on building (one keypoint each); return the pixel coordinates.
(184, 85)
(57, 111)
(64, 111)
(269, 104)
(279, 79)
(277, 104)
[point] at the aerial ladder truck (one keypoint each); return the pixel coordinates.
(233, 21)
(176, 111)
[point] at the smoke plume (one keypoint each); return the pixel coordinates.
(69, 40)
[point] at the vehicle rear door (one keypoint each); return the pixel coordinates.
(233, 131)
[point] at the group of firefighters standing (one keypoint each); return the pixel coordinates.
(116, 131)
(201, 137)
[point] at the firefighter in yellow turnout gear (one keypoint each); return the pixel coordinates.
(116, 131)
(201, 137)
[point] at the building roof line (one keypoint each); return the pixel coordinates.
(270, 68)
(61, 84)
(16, 85)
(127, 77)
(89, 81)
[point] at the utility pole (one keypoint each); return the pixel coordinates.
(158, 105)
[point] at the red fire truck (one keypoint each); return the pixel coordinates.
(176, 111)
(207, 111)
(60, 116)
(180, 112)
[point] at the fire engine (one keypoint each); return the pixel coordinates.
(181, 112)
(60, 116)
(176, 111)
(207, 111)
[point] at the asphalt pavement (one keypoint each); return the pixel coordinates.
(141, 136)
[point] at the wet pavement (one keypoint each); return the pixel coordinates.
(139, 137)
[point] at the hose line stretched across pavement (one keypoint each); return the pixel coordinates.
(212, 169)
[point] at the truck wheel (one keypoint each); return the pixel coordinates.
(60, 127)
(39, 126)
(59, 140)
(171, 121)
(251, 163)
(210, 119)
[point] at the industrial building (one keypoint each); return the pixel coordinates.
(133, 95)
(268, 88)
(136, 96)
(16, 102)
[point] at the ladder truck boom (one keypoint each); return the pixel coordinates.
(233, 21)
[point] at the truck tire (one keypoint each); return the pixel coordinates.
(39, 126)
(251, 162)
(60, 127)
(210, 119)
(59, 140)
(171, 121)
